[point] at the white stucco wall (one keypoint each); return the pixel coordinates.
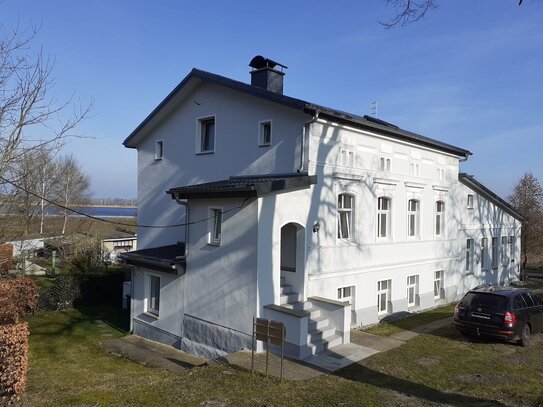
(221, 280)
(237, 152)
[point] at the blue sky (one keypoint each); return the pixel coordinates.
(469, 74)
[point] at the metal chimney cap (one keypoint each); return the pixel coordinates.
(259, 62)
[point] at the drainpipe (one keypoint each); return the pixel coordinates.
(186, 205)
(304, 135)
(464, 159)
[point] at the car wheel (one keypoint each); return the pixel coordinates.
(525, 337)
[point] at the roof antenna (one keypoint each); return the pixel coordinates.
(373, 108)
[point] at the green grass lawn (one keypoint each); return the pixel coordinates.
(69, 367)
(412, 321)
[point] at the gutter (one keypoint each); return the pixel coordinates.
(304, 135)
(185, 203)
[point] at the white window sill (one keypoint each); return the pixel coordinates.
(265, 145)
(216, 244)
(151, 314)
(204, 152)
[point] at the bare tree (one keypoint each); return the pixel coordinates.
(527, 199)
(73, 185)
(410, 11)
(29, 116)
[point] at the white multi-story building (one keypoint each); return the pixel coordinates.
(269, 206)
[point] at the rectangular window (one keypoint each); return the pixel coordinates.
(469, 254)
(511, 249)
(438, 284)
(215, 226)
(412, 290)
(153, 301)
(207, 135)
(383, 217)
(505, 257)
(470, 201)
(494, 252)
(414, 169)
(265, 133)
(347, 158)
(384, 164)
(345, 216)
(345, 293)
(484, 253)
(413, 218)
(159, 150)
(383, 296)
(440, 218)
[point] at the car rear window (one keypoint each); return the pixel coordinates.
(487, 300)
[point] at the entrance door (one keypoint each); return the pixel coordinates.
(292, 256)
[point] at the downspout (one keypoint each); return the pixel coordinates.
(304, 135)
(186, 205)
(465, 158)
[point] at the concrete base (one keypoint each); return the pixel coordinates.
(146, 331)
(367, 316)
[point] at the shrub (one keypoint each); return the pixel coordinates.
(13, 361)
(6, 255)
(101, 288)
(61, 295)
(17, 299)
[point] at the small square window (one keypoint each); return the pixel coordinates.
(215, 226)
(345, 293)
(265, 133)
(470, 201)
(384, 164)
(159, 150)
(207, 135)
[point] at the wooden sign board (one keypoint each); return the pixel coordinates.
(277, 332)
(261, 329)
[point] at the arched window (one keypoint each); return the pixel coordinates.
(345, 208)
(440, 218)
(383, 217)
(413, 218)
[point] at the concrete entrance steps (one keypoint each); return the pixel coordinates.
(321, 334)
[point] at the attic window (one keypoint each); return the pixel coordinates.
(264, 133)
(470, 201)
(159, 150)
(206, 135)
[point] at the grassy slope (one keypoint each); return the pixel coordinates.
(69, 367)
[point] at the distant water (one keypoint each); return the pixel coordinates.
(98, 211)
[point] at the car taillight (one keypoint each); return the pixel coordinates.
(456, 310)
(510, 318)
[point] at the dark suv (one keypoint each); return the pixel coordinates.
(501, 312)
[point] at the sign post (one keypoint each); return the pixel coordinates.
(271, 332)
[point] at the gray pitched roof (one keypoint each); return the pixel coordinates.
(164, 258)
(363, 122)
(472, 183)
(244, 186)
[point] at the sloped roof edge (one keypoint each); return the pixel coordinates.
(470, 182)
(364, 122)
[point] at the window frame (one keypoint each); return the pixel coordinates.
(342, 291)
(349, 216)
(215, 213)
(261, 133)
(414, 286)
(414, 168)
(469, 255)
(387, 213)
(346, 157)
(470, 201)
(385, 164)
(159, 150)
(149, 295)
(439, 219)
(484, 254)
(200, 133)
(494, 260)
(439, 278)
(413, 231)
(504, 247)
(386, 292)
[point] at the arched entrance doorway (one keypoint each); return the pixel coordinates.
(293, 258)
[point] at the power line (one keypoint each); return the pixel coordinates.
(117, 222)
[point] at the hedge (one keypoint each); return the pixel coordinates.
(18, 298)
